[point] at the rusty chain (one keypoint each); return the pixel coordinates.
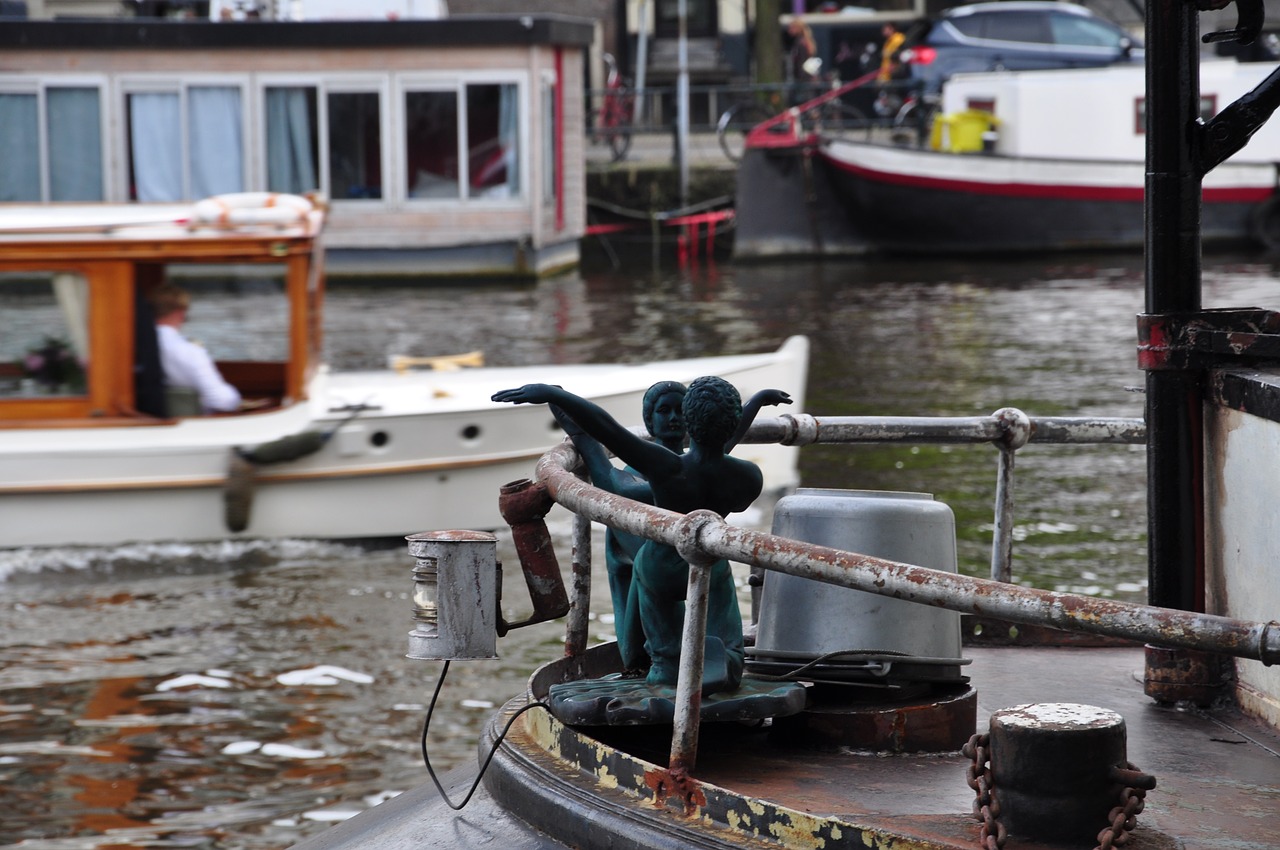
(1133, 798)
(986, 807)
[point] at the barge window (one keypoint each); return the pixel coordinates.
(293, 141)
(355, 145)
(44, 334)
(62, 164)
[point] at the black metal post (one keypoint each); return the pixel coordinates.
(1173, 201)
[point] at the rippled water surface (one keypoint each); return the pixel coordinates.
(247, 695)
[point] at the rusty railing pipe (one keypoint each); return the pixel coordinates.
(1066, 611)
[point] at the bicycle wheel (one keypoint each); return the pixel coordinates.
(914, 122)
(735, 123)
(620, 134)
(615, 136)
(838, 118)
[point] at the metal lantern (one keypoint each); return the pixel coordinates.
(455, 595)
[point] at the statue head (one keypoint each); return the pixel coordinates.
(663, 410)
(712, 410)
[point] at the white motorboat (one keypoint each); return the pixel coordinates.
(88, 456)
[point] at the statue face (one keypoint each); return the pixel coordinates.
(667, 420)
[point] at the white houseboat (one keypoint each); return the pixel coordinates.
(450, 146)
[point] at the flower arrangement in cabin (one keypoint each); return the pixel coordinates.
(54, 366)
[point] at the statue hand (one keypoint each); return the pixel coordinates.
(528, 394)
(772, 397)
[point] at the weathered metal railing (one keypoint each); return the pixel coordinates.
(703, 537)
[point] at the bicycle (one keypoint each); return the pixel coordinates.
(914, 120)
(611, 123)
(832, 116)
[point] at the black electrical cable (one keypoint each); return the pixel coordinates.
(426, 759)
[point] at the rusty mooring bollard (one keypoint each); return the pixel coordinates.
(1053, 769)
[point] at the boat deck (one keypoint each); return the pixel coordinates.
(1218, 775)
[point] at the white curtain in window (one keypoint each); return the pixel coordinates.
(509, 135)
(291, 165)
(75, 144)
(215, 140)
(72, 292)
(155, 134)
(19, 148)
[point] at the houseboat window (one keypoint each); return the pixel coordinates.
(44, 334)
(355, 145)
(492, 128)
(293, 141)
(70, 167)
(20, 136)
(431, 122)
(165, 165)
(75, 143)
(551, 120)
(436, 132)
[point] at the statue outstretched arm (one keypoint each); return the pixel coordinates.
(751, 409)
(603, 473)
(649, 459)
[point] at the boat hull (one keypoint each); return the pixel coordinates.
(426, 450)
(906, 200)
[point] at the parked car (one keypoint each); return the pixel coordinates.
(1019, 35)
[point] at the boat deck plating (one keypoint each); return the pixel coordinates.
(1218, 775)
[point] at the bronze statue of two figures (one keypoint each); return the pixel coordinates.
(648, 579)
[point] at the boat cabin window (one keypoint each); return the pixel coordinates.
(241, 315)
(44, 334)
(52, 141)
(184, 144)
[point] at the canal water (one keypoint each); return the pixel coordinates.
(247, 695)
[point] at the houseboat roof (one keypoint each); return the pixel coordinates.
(136, 33)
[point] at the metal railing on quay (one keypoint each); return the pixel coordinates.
(702, 538)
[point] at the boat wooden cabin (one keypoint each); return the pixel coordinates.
(445, 147)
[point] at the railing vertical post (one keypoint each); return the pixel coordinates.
(1002, 543)
(1015, 431)
(575, 642)
(688, 709)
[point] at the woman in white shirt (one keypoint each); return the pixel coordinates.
(185, 363)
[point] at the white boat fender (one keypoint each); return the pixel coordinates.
(249, 208)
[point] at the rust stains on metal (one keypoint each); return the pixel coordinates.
(675, 785)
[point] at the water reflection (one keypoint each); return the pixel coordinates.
(167, 696)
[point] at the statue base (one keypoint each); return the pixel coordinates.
(617, 701)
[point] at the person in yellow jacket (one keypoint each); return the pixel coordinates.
(889, 52)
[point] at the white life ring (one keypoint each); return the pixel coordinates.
(250, 208)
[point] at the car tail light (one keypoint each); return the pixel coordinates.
(919, 55)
